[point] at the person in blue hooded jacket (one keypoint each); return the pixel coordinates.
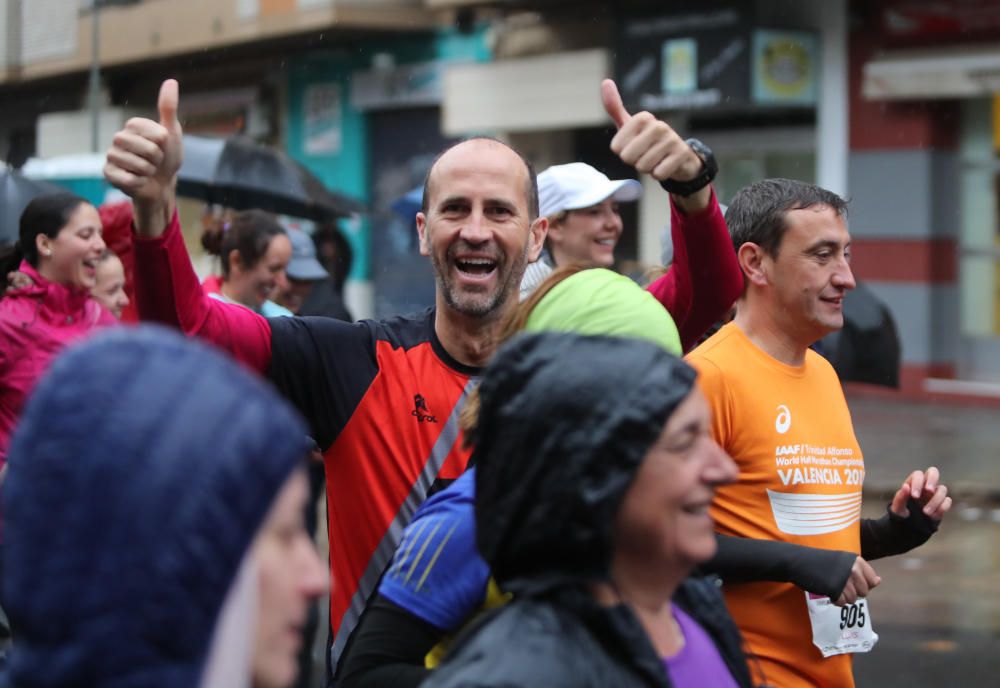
(153, 523)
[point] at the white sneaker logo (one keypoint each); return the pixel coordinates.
(784, 420)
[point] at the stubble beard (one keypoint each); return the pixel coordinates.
(481, 305)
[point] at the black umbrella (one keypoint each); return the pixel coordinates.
(16, 191)
(238, 173)
(867, 348)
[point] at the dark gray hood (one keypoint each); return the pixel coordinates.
(566, 420)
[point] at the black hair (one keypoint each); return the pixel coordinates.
(45, 214)
(531, 191)
(757, 213)
(250, 233)
(343, 255)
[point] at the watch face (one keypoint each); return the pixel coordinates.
(705, 153)
(711, 168)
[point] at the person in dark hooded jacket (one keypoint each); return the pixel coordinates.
(595, 469)
(153, 522)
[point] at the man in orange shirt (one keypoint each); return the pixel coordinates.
(779, 411)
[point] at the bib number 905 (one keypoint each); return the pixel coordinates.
(840, 630)
(852, 616)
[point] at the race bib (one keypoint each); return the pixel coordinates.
(840, 630)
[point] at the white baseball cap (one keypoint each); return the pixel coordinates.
(578, 185)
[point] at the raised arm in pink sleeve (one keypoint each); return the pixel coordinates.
(167, 291)
(705, 279)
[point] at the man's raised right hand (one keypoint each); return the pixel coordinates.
(143, 161)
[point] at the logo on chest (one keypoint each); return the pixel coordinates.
(420, 410)
(784, 420)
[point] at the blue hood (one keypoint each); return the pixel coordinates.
(142, 468)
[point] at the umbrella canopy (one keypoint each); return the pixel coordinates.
(16, 191)
(867, 348)
(238, 173)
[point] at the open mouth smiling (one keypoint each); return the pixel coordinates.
(476, 268)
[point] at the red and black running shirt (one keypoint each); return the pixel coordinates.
(382, 399)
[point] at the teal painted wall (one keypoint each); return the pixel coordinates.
(94, 190)
(347, 170)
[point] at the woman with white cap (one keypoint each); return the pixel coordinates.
(581, 205)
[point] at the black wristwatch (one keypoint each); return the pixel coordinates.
(709, 168)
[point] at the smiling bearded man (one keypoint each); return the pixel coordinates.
(473, 231)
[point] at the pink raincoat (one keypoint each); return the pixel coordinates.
(36, 323)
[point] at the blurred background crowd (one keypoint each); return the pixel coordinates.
(310, 126)
(848, 95)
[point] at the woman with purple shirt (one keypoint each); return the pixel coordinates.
(594, 472)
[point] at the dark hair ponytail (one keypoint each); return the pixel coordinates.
(249, 233)
(212, 236)
(46, 214)
(10, 258)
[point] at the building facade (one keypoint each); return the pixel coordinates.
(889, 102)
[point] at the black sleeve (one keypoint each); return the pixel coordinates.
(892, 534)
(387, 649)
(745, 560)
(324, 367)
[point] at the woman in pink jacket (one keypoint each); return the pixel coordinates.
(59, 247)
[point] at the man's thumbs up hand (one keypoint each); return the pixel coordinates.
(173, 150)
(144, 158)
(613, 103)
(167, 103)
(648, 144)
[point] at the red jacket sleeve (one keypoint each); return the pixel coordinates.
(705, 278)
(167, 291)
(116, 218)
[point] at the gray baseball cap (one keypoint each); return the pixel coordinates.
(303, 266)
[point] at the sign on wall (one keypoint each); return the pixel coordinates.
(683, 61)
(322, 134)
(402, 86)
(785, 65)
(712, 59)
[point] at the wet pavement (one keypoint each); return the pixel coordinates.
(898, 437)
(937, 610)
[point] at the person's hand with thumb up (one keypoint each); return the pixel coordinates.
(651, 145)
(143, 161)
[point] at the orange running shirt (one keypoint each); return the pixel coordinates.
(801, 471)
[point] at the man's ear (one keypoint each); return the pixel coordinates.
(425, 248)
(752, 259)
(537, 233)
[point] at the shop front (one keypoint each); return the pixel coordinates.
(927, 78)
